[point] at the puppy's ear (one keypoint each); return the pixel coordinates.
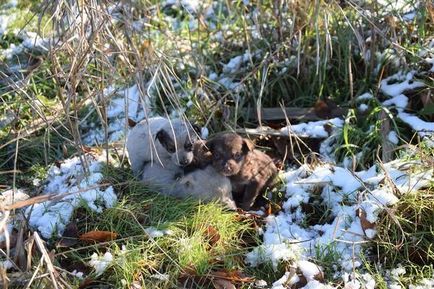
(196, 128)
(248, 145)
(165, 140)
(162, 136)
(210, 145)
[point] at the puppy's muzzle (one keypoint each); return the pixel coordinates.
(227, 170)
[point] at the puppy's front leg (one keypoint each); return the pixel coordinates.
(251, 192)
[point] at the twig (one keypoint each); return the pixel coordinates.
(47, 259)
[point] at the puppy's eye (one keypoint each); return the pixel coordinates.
(171, 149)
(188, 147)
(238, 156)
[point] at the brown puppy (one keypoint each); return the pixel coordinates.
(249, 170)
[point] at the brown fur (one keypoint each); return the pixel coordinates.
(250, 171)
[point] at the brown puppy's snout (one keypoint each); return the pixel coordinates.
(226, 167)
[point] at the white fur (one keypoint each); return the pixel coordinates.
(143, 147)
(204, 184)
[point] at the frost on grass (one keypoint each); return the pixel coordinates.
(51, 217)
(344, 194)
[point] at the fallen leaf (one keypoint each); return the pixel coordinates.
(98, 236)
(231, 275)
(364, 222)
(86, 149)
(131, 123)
(212, 235)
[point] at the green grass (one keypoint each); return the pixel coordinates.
(203, 237)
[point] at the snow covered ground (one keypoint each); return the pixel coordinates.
(353, 200)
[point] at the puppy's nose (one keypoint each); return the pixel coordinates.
(228, 168)
(183, 162)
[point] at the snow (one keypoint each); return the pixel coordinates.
(190, 5)
(343, 192)
(314, 129)
(424, 128)
(123, 103)
(400, 101)
(261, 283)
(234, 64)
(430, 60)
(308, 269)
(393, 137)
(79, 275)
(363, 107)
(404, 82)
(100, 263)
(229, 83)
(279, 284)
(286, 237)
(272, 252)
(365, 96)
(6, 264)
(155, 233)
(161, 277)
(31, 40)
(51, 217)
(204, 133)
(314, 284)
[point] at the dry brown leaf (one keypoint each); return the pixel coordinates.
(131, 123)
(232, 275)
(98, 236)
(364, 222)
(212, 235)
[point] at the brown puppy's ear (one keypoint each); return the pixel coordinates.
(248, 145)
(210, 145)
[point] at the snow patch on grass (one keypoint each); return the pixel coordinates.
(51, 217)
(291, 235)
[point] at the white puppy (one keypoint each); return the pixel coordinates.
(160, 140)
(204, 184)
